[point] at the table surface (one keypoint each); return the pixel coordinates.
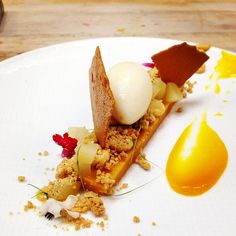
(30, 24)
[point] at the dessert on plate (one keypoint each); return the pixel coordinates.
(128, 105)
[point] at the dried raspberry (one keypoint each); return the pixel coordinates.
(68, 144)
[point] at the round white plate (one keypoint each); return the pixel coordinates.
(45, 91)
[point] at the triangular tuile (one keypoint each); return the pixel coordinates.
(178, 63)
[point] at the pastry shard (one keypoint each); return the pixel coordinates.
(178, 63)
(102, 100)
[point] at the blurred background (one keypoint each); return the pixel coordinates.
(30, 24)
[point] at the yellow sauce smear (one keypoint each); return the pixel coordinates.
(225, 69)
(226, 66)
(197, 160)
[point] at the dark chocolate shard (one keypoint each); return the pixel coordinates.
(178, 63)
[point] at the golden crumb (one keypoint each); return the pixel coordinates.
(203, 46)
(136, 219)
(21, 178)
(201, 69)
(78, 223)
(189, 87)
(143, 162)
(105, 217)
(89, 201)
(179, 109)
(105, 179)
(45, 153)
(123, 186)
(154, 223)
(29, 206)
(101, 224)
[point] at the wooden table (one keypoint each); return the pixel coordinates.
(30, 24)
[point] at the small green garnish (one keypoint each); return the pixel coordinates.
(41, 191)
(78, 167)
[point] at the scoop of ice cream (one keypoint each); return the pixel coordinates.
(132, 91)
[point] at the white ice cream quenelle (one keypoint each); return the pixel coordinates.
(132, 89)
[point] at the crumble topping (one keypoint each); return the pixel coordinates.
(115, 157)
(89, 201)
(153, 73)
(67, 167)
(61, 188)
(78, 223)
(90, 138)
(120, 138)
(102, 156)
(142, 161)
(105, 179)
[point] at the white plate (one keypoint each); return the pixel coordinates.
(45, 91)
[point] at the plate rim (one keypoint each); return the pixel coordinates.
(91, 40)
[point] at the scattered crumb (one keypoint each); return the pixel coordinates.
(90, 201)
(23, 159)
(29, 206)
(11, 213)
(139, 235)
(45, 153)
(101, 224)
(154, 223)
(179, 109)
(105, 217)
(55, 226)
(189, 86)
(136, 219)
(21, 178)
(123, 186)
(143, 162)
(78, 223)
